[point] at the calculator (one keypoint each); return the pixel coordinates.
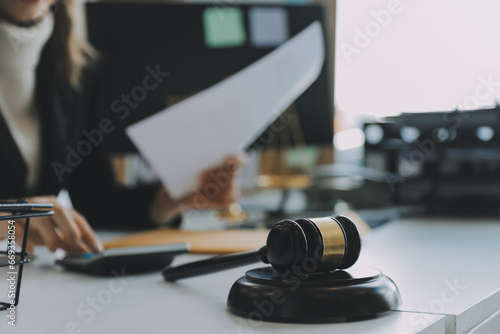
(124, 260)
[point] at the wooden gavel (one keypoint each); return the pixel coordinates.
(328, 243)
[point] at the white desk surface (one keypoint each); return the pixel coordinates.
(427, 256)
(51, 299)
(421, 256)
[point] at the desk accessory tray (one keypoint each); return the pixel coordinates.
(10, 258)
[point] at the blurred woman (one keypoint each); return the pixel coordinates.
(48, 83)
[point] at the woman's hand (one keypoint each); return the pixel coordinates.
(216, 190)
(66, 229)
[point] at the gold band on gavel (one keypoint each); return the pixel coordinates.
(333, 242)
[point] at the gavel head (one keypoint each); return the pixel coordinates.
(325, 243)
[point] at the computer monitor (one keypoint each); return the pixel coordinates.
(199, 45)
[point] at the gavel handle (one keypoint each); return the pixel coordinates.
(213, 264)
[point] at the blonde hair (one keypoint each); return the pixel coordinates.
(68, 51)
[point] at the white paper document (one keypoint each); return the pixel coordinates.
(196, 134)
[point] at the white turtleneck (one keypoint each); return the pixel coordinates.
(20, 50)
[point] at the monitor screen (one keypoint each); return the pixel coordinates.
(194, 46)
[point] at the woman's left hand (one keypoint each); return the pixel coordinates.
(216, 190)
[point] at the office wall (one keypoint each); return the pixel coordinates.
(426, 56)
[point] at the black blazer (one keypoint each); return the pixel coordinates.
(64, 114)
